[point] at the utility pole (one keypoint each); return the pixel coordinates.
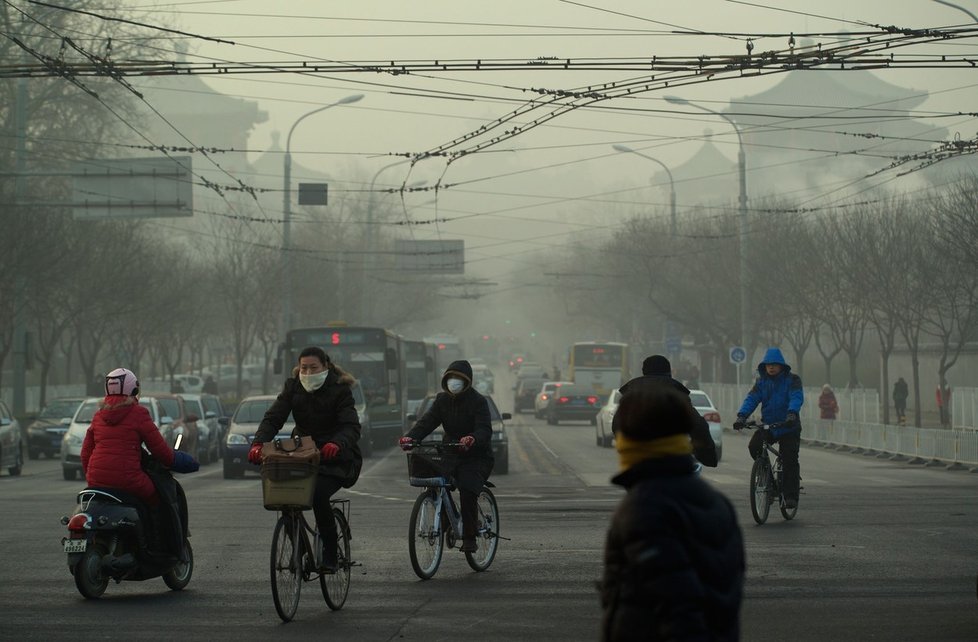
(20, 281)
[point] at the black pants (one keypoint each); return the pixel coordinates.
(326, 487)
(901, 408)
(788, 446)
(471, 474)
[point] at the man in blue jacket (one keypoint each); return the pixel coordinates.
(779, 393)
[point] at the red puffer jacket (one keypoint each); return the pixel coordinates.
(110, 454)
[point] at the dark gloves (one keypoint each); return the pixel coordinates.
(329, 450)
(466, 442)
(406, 443)
(184, 463)
(740, 423)
(254, 455)
(792, 421)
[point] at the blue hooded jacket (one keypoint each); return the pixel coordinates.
(777, 395)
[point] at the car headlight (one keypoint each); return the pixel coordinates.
(236, 439)
(72, 440)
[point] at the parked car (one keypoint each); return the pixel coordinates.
(180, 423)
(543, 397)
(602, 428)
(704, 405)
(516, 361)
(500, 440)
(574, 402)
(526, 393)
(241, 432)
(71, 443)
(208, 410)
(45, 433)
(12, 445)
(178, 384)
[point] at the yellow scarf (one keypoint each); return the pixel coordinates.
(632, 451)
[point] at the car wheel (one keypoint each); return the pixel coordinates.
(551, 420)
(33, 454)
(68, 473)
(366, 445)
(233, 472)
(594, 421)
(18, 463)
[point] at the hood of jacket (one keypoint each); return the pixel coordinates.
(773, 355)
(115, 408)
(461, 369)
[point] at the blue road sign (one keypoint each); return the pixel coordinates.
(737, 355)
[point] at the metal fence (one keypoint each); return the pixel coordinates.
(957, 447)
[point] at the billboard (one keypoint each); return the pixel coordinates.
(128, 188)
(434, 257)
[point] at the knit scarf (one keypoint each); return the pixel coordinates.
(632, 451)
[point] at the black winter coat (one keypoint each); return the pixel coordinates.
(674, 558)
(466, 413)
(326, 414)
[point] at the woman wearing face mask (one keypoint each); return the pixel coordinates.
(464, 414)
(319, 397)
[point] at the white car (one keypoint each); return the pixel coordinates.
(543, 397)
(704, 405)
(602, 429)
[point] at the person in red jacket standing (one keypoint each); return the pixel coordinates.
(110, 454)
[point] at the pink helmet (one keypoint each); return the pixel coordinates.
(121, 382)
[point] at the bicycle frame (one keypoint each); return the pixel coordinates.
(445, 507)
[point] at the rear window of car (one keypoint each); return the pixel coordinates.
(568, 391)
(86, 412)
(171, 408)
(531, 385)
(700, 400)
(251, 412)
(58, 409)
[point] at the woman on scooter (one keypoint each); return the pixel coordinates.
(111, 452)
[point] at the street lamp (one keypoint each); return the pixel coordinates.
(672, 185)
(287, 211)
(742, 171)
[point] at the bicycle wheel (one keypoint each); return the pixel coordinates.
(760, 480)
(286, 567)
(336, 585)
(787, 513)
(425, 543)
(487, 535)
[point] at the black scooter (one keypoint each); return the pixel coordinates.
(110, 536)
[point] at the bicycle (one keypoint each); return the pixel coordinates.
(294, 560)
(435, 517)
(766, 480)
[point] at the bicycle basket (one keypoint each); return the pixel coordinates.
(427, 469)
(288, 484)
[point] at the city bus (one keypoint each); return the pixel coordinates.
(419, 371)
(373, 356)
(602, 365)
(447, 350)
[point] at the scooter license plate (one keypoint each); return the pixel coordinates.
(75, 545)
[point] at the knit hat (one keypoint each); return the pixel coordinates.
(657, 365)
(649, 410)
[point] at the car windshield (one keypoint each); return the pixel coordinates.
(251, 412)
(171, 408)
(87, 411)
(59, 408)
(700, 400)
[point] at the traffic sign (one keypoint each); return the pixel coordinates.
(673, 345)
(737, 355)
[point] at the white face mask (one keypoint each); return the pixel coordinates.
(455, 385)
(314, 381)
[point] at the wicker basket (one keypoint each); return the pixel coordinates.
(288, 484)
(427, 468)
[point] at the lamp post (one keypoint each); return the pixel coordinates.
(742, 171)
(287, 211)
(672, 185)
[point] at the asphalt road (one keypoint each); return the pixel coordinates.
(880, 550)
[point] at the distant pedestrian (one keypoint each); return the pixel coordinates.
(827, 404)
(900, 394)
(210, 386)
(944, 405)
(674, 554)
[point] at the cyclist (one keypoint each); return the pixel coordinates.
(674, 554)
(656, 370)
(464, 414)
(319, 398)
(779, 393)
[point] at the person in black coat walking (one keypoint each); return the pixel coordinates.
(674, 555)
(657, 370)
(464, 414)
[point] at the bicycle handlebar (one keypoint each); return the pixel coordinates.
(762, 426)
(437, 445)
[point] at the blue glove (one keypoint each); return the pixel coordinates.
(184, 463)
